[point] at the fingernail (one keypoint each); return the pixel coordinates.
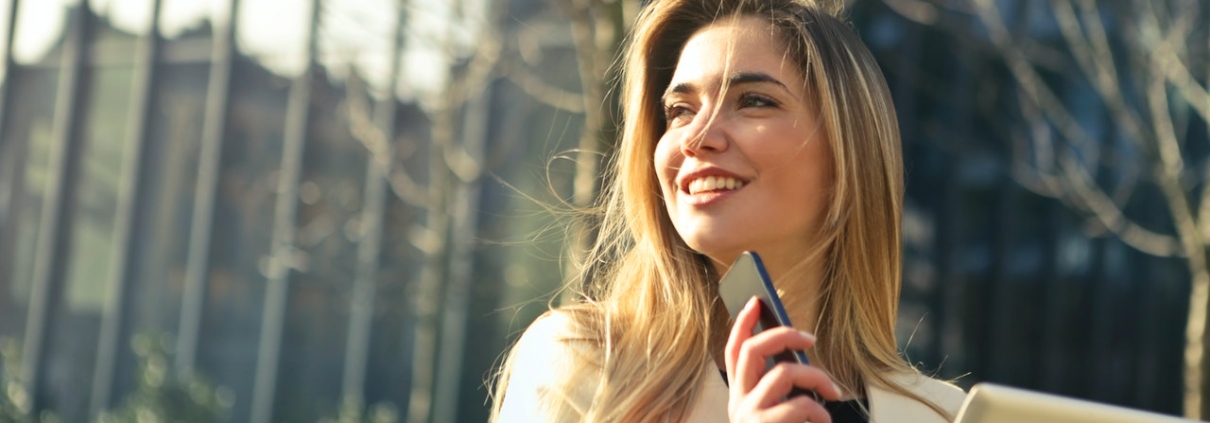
(809, 337)
(751, 302)
(837, 388)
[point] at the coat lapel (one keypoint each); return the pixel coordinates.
(886, 406)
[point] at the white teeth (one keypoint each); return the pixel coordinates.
(712, 183)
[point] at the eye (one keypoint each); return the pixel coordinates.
(676, 111)
(755, 100)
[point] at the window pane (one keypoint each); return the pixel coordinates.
(74, 335)
(317, 316)
(389, 380)
(398, 271)
(116, 27)
(28, 134)
(166, 207)
(24, 152)
(5, 7)
(242, 230)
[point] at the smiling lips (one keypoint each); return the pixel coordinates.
(714, 183)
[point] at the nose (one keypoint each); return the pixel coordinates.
(710, 138)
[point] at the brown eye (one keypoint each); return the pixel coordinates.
(673, 112)
(756, 100)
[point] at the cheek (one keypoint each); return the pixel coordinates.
(801, 173)
(813, 177)
(667, 161)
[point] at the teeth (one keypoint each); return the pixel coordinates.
(712, 183)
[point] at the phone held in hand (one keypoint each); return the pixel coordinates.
(747, 278)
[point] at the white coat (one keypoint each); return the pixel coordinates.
(544, 360)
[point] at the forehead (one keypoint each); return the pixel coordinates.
(735, 45)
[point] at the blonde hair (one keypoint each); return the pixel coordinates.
(651, 308)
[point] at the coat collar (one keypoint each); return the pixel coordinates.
(890, 406)
(886, 406)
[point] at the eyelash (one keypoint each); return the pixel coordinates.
(748, 100)
(673, 111)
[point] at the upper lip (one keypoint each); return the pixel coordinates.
(684, 179)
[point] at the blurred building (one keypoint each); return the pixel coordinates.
(140, 178)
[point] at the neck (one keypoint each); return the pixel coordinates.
(797, 278)
(798, 284)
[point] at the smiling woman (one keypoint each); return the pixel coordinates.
(760, 138)
(760, 125)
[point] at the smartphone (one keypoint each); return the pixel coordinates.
(747, 278)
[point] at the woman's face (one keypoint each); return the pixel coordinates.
(750, 169)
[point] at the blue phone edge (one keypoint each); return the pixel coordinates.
(779, 310)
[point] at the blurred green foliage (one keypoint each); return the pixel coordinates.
(351, 411)
(163, 395)
(160, 397)
(14, 402)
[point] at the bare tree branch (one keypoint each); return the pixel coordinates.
(1187, 228)
(597, 27)
(1056, 156)
(1097, 62)
(1040, 95)
(919, 11)
(1167, 63)
(467, 82)
(1107, 213)
(1186, 86)
(1073, 183)
(382, 152)
(545, 93)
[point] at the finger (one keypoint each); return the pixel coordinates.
(741, 330)
(782, 378)
(778, 339)
(797, 409)
(754, 353)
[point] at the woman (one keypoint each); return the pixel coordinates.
(759, 125)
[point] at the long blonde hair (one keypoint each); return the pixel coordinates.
(651, 309)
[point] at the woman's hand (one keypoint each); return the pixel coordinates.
(756, 396)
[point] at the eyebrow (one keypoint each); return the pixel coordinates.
(756, 77)
(739, 78)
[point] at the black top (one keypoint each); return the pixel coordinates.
(848, 411)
